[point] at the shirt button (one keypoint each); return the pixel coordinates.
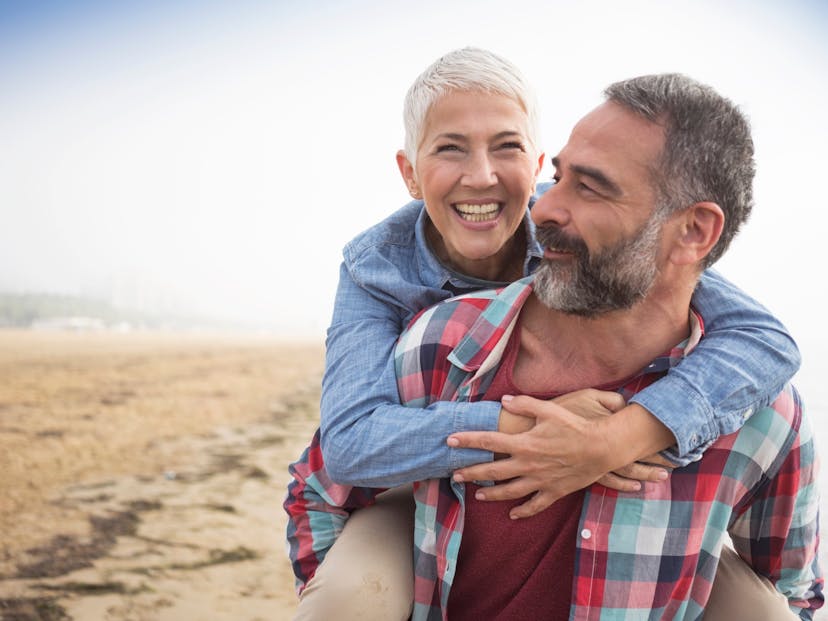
(586, 533)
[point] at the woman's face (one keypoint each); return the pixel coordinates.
(475, 169)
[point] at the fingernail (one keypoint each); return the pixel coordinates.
(480, 495)
(506, 398)
(453, 442)
(663, 475)
(458, 477)
(512, 516)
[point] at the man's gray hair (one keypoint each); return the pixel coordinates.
(467, 69)
(708, 149)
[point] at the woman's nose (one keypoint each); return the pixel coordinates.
(480, 171)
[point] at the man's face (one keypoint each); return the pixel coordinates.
(598, 225)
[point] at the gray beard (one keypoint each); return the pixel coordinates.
(590, 285)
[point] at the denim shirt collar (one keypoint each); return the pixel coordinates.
(432, 270)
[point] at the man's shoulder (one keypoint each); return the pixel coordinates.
(782, 416)
(476, 320)
(447, 322)
(772, 432)
(426, 357)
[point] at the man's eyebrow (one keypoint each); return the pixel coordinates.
(607, 185)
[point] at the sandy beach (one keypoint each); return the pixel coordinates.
(143, 475)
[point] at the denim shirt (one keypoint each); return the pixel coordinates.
(389, 274)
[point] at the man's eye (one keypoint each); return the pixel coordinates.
(447, 147)
(585, 188)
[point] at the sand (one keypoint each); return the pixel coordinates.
(142, 475)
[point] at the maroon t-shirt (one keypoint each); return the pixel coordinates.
(514, 569)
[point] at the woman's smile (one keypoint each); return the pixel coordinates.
(478, 213)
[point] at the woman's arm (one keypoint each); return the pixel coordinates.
(368, 438)
(741, 364)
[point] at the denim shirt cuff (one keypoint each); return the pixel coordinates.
(484, 416)
(684, 412)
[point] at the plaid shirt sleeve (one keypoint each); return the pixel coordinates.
(317, 510)
(777, 532)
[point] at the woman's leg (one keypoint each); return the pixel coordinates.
(368, 574)
(739, 594)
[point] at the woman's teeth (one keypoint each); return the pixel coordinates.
(477, 213)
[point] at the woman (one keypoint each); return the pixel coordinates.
(471, 155)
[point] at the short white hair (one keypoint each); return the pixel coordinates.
(466, 69)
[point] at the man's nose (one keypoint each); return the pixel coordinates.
(480, 171)
(551, 208)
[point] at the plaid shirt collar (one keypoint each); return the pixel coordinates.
(480, 350)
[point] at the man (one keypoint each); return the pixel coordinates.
(651, 188)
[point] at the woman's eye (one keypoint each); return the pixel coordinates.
(512, 145)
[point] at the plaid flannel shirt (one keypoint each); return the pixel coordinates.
(644, 555)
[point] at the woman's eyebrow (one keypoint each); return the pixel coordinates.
(450, 136)
(506, 133)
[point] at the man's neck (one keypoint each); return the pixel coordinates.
(567, 352)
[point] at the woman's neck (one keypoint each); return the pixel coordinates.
(506, 265)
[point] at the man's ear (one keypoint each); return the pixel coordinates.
(698, 229)
(407, 172)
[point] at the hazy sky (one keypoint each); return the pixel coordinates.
(222, 153)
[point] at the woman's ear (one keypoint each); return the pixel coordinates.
(407, 172)
(538, 170)
(699, 228)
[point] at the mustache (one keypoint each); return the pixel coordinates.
(554, 237)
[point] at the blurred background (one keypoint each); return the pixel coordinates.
(185, 164)
(194, 166)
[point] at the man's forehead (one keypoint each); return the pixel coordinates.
(612, 135)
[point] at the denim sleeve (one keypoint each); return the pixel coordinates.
(741, 364)
(368, 438)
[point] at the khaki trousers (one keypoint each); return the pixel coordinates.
(368, 574)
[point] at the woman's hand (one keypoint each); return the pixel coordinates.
(587, 403)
